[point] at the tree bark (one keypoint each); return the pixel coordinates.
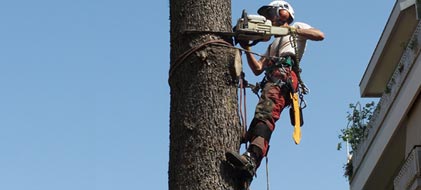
(204, 121)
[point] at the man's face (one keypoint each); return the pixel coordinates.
(283, 15)
(281, 20)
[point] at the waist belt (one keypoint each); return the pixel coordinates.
(285, 61)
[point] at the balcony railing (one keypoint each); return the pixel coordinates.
(409, 177)
(403, 67)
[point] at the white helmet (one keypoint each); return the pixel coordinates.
(273, 9)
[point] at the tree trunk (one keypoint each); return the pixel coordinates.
(204, 121)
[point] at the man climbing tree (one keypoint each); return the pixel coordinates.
(203, 119)
(279, 87)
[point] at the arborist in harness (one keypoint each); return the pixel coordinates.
(281, 81)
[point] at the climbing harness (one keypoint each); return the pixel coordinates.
(284, 64)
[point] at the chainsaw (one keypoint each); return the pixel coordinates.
(256, 28)
(251, 28)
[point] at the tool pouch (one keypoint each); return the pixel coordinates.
(292, 116)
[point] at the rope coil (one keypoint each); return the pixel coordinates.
(221, 43)
(186, 54)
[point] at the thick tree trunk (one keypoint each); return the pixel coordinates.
(204, 121)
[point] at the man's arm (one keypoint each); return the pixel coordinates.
(255, 65)
(311, 33)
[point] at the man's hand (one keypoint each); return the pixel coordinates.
(292, 30)
(245, 45)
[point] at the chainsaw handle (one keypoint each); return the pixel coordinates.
(247, 43)
(254, 42)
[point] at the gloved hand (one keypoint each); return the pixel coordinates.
(245, 45)
(292, 30)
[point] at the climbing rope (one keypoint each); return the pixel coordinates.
(243, 115)
(267, 173)
(186, 54)
(293, 39)
(222, 43)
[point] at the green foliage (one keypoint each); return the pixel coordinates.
(356, 130)
(357, 127)
(349, 170)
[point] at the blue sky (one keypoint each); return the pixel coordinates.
(84, 100)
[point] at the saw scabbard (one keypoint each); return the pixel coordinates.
(296, 117)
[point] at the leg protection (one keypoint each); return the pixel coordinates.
(260, 129)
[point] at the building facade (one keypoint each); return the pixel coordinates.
(390, 157)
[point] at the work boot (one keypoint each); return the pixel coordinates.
(246, 163)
